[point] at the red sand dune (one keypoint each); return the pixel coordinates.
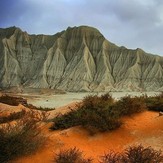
(144, 128)
(7, 109)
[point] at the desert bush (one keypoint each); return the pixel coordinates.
(155, 103)
(95, 114)
(38, 108)
(12, 116)
(102, 113)
(140, 154)
(20, 138)
(111, 157)
(44, 108)
(92, 119)
(129, 105)
(102, 101)
(134, 154)
(14, 101)
(72, 155)
(99, 119)
(67, 120)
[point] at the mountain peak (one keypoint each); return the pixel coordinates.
(84, 29)
(7, 32)
(77, 59)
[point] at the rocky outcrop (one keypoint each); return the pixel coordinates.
(77, 59)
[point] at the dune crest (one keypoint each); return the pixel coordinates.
(143, 128)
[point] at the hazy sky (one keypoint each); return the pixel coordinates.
(131, 23)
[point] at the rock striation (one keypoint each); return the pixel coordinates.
(77, 59)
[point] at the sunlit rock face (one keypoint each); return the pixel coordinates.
(77, 59)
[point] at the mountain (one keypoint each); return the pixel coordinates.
(77, 59)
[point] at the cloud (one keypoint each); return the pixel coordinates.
(132, 23)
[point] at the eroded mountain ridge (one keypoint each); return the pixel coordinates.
(77, 59)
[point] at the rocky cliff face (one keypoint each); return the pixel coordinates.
(77, 59)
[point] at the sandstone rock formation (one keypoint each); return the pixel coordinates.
(77, 59)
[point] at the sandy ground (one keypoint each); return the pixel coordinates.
(144, 128)
(5, 109)
(55, 101)
(58, 100)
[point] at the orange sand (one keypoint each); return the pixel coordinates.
(144, 128)
(5, 109)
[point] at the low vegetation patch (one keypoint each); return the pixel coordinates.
(14, 101)
(155, 103)
(103, 113)
(134, 154)
(72, 155)
(95, 114)
(38, 108)
(129, 105)
(12, 116)
(21, 137)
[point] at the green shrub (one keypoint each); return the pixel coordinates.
(67, 120)
(21, 138)
(72, 155)
(38, 108)
(95, 114)
(140, 154)
(93, 101)
(14, 101)
(99, 119)
(155, 103)
(129, 105)
(102, 113)
(134, 154)
(111, 157)
(12, 116)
